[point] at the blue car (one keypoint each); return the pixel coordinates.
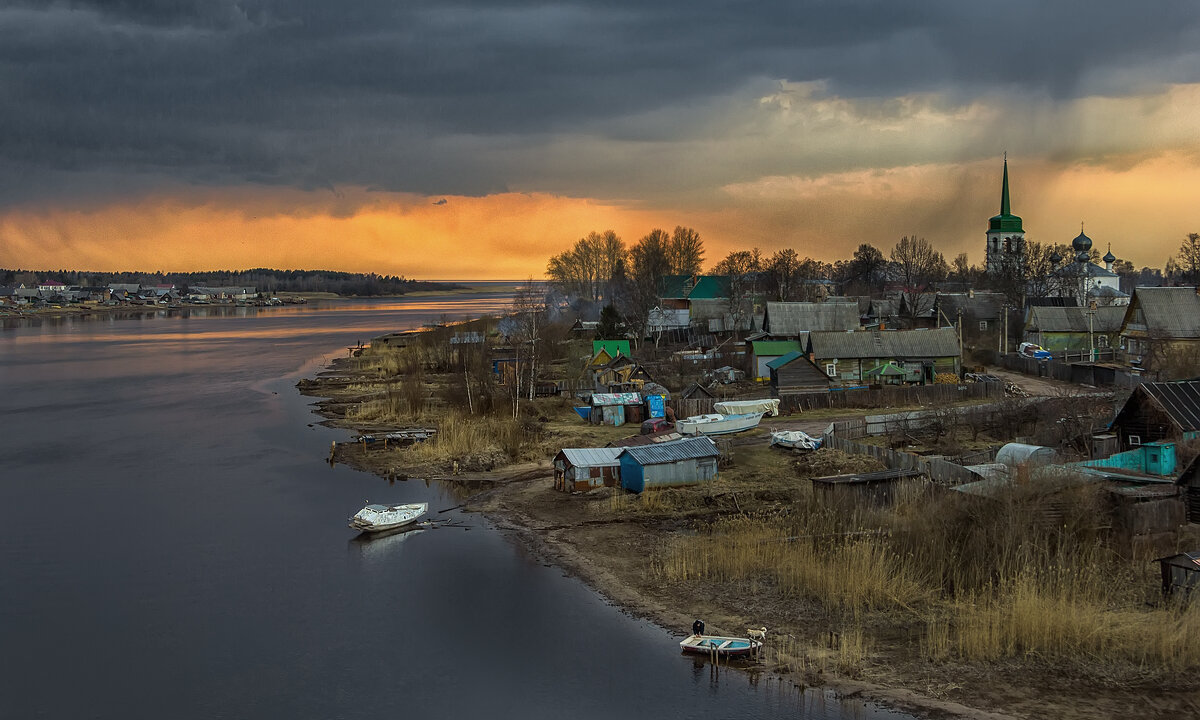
(1034, 351)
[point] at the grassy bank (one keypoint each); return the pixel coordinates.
(982, 579)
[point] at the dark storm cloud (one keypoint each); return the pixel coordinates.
(464, 98)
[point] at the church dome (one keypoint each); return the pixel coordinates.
(1055, 258)
(1082, 243)
(1082, 255)
(1109, 257)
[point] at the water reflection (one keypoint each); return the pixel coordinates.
(385, 545)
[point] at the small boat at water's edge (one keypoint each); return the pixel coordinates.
(721, 646)
(717, 424)
(795, 440)
(377, 518)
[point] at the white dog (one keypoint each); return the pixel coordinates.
(759, 634)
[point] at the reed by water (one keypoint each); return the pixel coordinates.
(987, 579)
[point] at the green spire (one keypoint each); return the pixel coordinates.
(1005, 221)
(1005, 208)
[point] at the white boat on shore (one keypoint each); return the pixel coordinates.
(377, 518)
(717, 424)
(720, 646)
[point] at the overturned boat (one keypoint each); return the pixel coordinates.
(794, 439)
(377, 518)
(718, 424)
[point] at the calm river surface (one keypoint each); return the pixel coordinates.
(173, 545)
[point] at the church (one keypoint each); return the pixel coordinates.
(1075, 276)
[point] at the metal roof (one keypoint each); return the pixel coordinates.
(783, 319)
(784, 359)
(1180, 400)
(1171, 311)
(674, 451)
(897, 344)
(774, 347)
(1075, 319)
(591, 457)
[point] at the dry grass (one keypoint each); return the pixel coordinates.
(988, 579)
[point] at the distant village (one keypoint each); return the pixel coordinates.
(55, 294)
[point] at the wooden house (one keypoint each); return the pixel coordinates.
(848, 357)
(583, 469)
(1074, 328)
(689, 461)
(1159, 411)
(1161, 322)
(794, 373)
(793, 320)
(605, 351)
(765, 351)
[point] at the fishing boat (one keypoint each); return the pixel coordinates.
(720, 646)
(794, 439)
(717, 424)
(377, 518)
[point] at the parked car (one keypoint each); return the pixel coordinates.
(1034, 350)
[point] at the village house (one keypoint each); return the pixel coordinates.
(794, 373)
(764, 351)
(688, 461)
(982, 313)
(1159, 411)
(1162, 327)
(1074, 328)
(849, 357)
(793, 320)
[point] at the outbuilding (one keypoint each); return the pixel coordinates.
(583, 469)
(689, 461)
(616, 408)
(1180, 573)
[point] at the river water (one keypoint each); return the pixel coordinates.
(173, 545)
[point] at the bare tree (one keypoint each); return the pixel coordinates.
(529, 313)
(648, 263)
(742, 267)
(685, 251)
(587, 268)
(918, 268)
(783, 271)
(1187, 261)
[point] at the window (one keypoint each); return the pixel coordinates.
(831, 369)
(982, 325)
(1135, 439)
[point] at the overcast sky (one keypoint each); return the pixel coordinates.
(171, 133)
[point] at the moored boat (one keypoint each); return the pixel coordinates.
(377, 518)
(717, 424)
(718, 645)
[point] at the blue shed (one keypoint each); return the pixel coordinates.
(689, 461)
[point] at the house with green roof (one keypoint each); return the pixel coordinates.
(605, 351)
(764, 351)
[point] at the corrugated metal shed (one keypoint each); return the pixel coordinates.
(668, 452)
(790, 319)
(898, 344)
(591, 457)
(1075, 319)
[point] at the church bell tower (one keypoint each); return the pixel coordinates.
(1005, 236)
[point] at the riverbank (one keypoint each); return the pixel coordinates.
(633, 550)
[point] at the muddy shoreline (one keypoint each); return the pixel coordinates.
(607, 551)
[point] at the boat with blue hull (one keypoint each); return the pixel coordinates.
(719, 646)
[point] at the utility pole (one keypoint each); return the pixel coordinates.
(1091, 313)
(960, 334)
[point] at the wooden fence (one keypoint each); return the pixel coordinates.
(884, 397)
(845, 434)
(1069, 367)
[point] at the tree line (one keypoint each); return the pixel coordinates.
(601, 269)
(265, 280)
